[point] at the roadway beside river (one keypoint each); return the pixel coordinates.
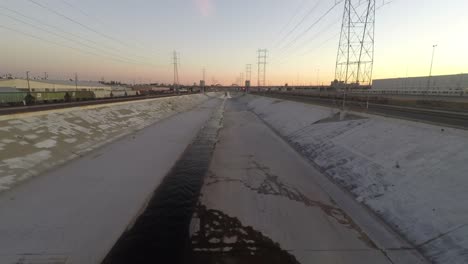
(431, 116)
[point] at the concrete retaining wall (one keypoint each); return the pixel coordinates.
(412, 175)
(35, 142)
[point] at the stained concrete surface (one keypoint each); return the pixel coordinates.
(32, 143)
(258, 181)
(160, 233)
(261, 201)
(76, 213)
(410, 174)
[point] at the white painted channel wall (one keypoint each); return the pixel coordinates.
(413, 175)
(35, 142)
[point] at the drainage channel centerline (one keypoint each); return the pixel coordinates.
(161, 233)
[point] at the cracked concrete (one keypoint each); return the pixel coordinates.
(411, 175)
(262, 181)
(219, 238)
(259, 182)
(76, 212)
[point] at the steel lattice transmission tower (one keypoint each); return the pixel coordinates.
(248, 72)
(176, 71)
(248, 75)
(262, 61)
(355, 57)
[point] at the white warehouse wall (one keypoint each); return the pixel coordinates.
(449, 83)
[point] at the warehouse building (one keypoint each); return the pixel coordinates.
(437, 85)
(51, 85)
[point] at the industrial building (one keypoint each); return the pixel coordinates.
(51, 85)
(452, 85)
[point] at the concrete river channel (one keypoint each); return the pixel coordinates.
(214, 183)
(224, 178)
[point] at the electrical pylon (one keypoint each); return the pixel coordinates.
(262, 61)
(355, 57)
(248, 72)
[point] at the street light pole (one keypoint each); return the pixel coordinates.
(430, 71)
(432, 60)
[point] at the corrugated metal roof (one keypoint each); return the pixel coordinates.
(60, 82)
(8, 90)
(71, 82)
(120, 88)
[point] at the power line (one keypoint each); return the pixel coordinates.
(320, 45)
(81, 11)
(327, 28)
(75, 41)
(296, 51)
(384, 3)
(93, 17)
(45, 24)
(310, 50)
(62, 45)
(296, 12)
(300, 22)
(78, 23)
(292, 42)
(313, 25)
(68, 33)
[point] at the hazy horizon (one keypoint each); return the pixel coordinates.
(133, 41)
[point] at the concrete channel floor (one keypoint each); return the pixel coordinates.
(260, 203)
(75, 213)
(258, 180)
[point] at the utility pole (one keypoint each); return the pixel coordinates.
(176, 72)
(262, 61)
(430, 71)
(76, 81)
(45, 76)
(27, 78)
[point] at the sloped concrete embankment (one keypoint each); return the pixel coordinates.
(35, 142)
(413, 175)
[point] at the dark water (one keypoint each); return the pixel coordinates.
(161, 233)
(249, 246)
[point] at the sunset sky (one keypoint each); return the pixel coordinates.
(133, 40)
